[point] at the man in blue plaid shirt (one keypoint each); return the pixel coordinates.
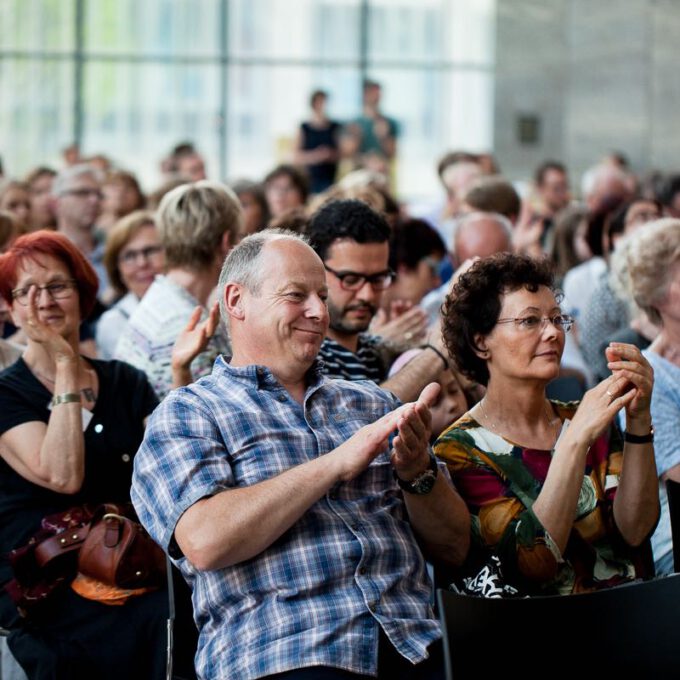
(277, 493)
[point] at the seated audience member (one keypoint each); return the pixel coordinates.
(185, 163)
(353, 242)
(9, 351)
(416, 253)
(552, 190)
(39, 181)
(607, 313)
(452, 401)
(122, 196)
(274, 491)
(15, 198)
(286, 188)
(197, 223)
(568, 247)
(77, 200)
(253, 204)
(493, 195)
(133, 257)
(654, 279)
(69, 430)
(477, 235)
(553, 490)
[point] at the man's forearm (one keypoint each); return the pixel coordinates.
(441, 521)
(239, 523)
(407, 383)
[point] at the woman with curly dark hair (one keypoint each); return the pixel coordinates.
(554, 492)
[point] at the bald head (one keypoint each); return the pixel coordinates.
(481, 234)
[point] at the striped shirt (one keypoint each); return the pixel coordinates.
(347, 568)
(156, 322)
(368, 363)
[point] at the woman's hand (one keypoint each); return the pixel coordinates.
(600, 405)
(57, 347)
(191, 342)
(626, 361)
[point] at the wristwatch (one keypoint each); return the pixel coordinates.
(423, 483)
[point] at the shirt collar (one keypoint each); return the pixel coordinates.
(261, 376)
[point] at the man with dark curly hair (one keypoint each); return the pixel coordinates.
(352, 240)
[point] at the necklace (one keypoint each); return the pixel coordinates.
(492, 425)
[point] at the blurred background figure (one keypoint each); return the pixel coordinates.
(122, 195)
(254, 204)
(39, 182)
(185, 163)
(15, 197)
(370, 141)
(285, 187)
(316, 145)
(133, 257)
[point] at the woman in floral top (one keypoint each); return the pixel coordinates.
(556, 493)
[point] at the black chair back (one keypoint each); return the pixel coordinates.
(673, 493)
(630, 629)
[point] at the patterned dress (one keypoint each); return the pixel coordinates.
(499, 481)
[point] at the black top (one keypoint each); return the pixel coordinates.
(321, 175)
(112, 438)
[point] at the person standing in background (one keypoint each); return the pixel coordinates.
(316, 146)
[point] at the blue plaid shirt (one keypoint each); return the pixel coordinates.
(348, 567)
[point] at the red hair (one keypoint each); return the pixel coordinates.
(55, 245)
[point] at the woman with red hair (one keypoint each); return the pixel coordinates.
(69, 430)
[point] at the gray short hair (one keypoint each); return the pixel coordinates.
(242, 264)
(653, 252)
(65, 177)
(192, 220)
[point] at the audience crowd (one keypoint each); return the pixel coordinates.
(347, 390)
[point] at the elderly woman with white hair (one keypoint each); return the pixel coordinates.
(654, 280)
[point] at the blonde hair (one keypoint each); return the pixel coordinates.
(192, 220)
(121, 233)
(653, 253)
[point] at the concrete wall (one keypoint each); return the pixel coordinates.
(599, 75)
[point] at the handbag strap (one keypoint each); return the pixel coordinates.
(65, 542)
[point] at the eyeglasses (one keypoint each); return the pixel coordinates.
(533, 322)
(356, 281)
(57, 290)
(129, 257)
(84, 193)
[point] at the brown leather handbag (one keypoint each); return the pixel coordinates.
(119, 552)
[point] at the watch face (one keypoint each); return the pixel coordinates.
(423, 484)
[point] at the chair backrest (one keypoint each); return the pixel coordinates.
(673, 493)
(634, 628)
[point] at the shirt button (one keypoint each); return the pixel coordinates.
(354, 526)
(362, 571)
(282, 397)
(260, 371)
(126, 458)
(98, 428)
(333, 496)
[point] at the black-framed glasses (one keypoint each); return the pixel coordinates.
(533, 322)
(57, 290)
(355, 281)
(129, 257)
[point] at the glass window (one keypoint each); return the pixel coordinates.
(304, 29)
(165, 27)
(36, 122)
(37, 25)
(135, 113)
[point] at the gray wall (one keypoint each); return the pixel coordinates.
(600, 76)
